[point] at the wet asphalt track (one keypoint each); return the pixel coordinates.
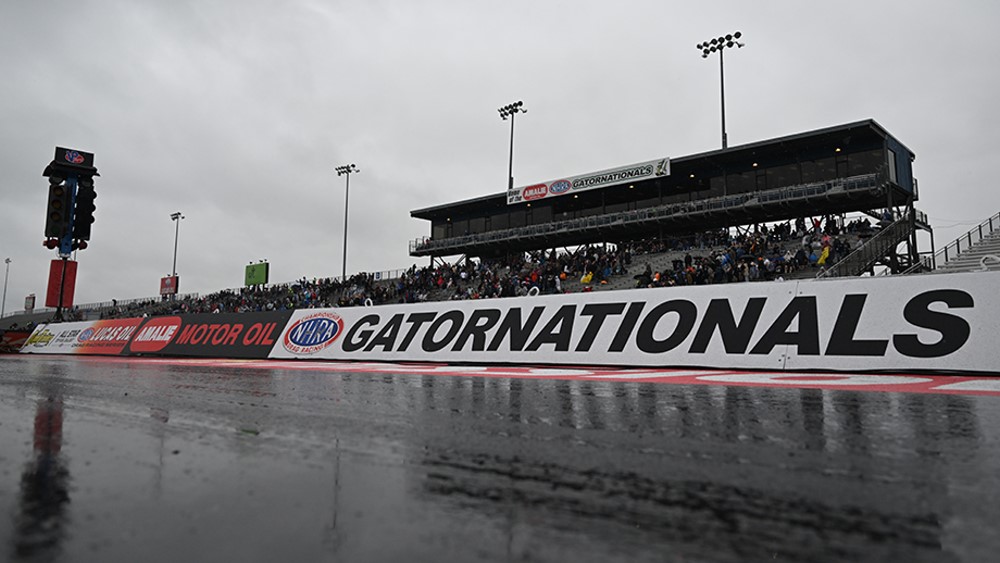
(129, 460)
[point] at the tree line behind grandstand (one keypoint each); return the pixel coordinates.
(753, 253)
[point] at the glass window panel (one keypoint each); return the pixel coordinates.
(499, 221)
(820, 170)
(517, 218)
(541, 214)
(717, 186)
(615, 207)
(477, 225)
(648, 202)
(782, 176)
(865, 162)
(741, 183)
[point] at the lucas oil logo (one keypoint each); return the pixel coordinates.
(313, 333)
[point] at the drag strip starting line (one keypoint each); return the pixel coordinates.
(885, 383)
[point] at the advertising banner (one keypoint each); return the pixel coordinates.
(12, 340)
(223, 335)
(59, 279)
(107, 337)
(257, 274)
(593, 180)
(169, 285)
(939, 322)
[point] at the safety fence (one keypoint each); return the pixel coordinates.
(99, 306)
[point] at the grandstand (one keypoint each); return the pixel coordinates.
(856, 167)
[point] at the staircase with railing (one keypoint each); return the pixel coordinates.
(874, 250)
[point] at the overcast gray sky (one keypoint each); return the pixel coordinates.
(237, 112)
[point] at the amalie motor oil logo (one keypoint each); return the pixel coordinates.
(155, 335)
(313, 333)
(537, 191)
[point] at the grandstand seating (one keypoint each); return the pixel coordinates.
(983, 255)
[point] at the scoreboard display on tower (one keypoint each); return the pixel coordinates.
(257, 274)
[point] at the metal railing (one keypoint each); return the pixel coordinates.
(675, 210)
(99, 306)
(381, 275)
(963, 243)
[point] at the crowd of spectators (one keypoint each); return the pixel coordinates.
(755, 253)
(763, 253)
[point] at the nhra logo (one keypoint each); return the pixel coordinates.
(85, 335)
(74, 157)
(537, 191)
(560, 186)
(313, 333)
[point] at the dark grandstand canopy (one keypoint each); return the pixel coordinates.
(854, 167)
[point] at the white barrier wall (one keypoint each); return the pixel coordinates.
(926, 322)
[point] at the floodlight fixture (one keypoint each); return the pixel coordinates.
(717, 44)
(346, 169)
(510, 110)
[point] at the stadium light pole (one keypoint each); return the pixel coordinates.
(3, 306)
(346, 170)
(510, 110)
(719, 44)
(176, 218)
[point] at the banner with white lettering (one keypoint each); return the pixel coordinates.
(602, 179)
(932, 322)
(225, 335)
(219, 335)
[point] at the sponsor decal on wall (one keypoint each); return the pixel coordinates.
(224, 335)
(942, 322)
(604, 178)
(312, 333)
(39, 338)
(227, 335)
(89, 337)
(13, 339)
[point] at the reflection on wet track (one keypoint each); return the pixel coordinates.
(136, 460)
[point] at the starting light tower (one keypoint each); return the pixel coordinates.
(68, 219)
